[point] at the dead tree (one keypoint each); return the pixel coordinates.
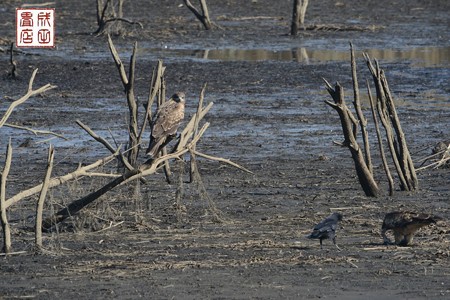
(386, 113)
(13, 73)
(202, 16)
(128, 85)
(106, 14)
(380, 141)
(188, 138)
(349, 124)
(396, 142)
(42, 195)
(298, 15)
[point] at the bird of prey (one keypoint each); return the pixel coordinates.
(404, 225)
(168, 118)
(326, 229)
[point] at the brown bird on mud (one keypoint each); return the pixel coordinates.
(404, 225)
(326, 229)
(164, 127)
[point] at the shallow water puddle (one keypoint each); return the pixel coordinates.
(422, 56)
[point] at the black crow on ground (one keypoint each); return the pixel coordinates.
(326, 229)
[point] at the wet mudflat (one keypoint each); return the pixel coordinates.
(246, 239)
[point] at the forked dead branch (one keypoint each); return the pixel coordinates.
(107, 15)
(187, 140)
(202, 15)
(4, 174)
(386, 113)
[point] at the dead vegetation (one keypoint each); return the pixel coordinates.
(110, 17)
(128, 158)
(202, 15)
(383, 109)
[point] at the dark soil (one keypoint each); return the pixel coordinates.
(234, 235)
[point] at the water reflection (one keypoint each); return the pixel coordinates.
(423, 56)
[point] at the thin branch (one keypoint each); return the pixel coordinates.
(35, 131)
(4, 218)
(30, 93)
(202, 17)
(380, 142)
(145, 169)
(42, 195)
(124, 20)
(357, 103)
(118, 61)
(61, 179)
(224, 160)
(154, 90)
(193, 165)
(188, 130)
(122, 159)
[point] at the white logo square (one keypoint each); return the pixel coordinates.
(35, 27)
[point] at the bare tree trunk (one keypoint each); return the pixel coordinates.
(128, 84)
(357, 104)
(298, 15)
(193, 164)
(13, 74)
(380, 142)
(43, 194)
(105, 16)
(389, 118)
(349, 122)
(203, 16)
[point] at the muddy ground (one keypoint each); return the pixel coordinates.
(245, 236)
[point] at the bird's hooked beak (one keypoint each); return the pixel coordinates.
(178, 97)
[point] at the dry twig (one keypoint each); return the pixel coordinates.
(42, 195)
(30, 93)
(4, 218)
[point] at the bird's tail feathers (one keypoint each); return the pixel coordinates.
(312, 235)
(154, 147)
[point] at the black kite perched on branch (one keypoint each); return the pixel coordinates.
(168, 118)
(404, 225)
(326, 229)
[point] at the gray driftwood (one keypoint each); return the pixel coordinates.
(298, 15)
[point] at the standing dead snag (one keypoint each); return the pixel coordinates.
(389, 118)
(128, 84)
(106, 14)
(380, 142)
(361, 118)
(387, 114)
(201, 16)
(13, 73)
(42, 195)
(298, 15)
(349, 124)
